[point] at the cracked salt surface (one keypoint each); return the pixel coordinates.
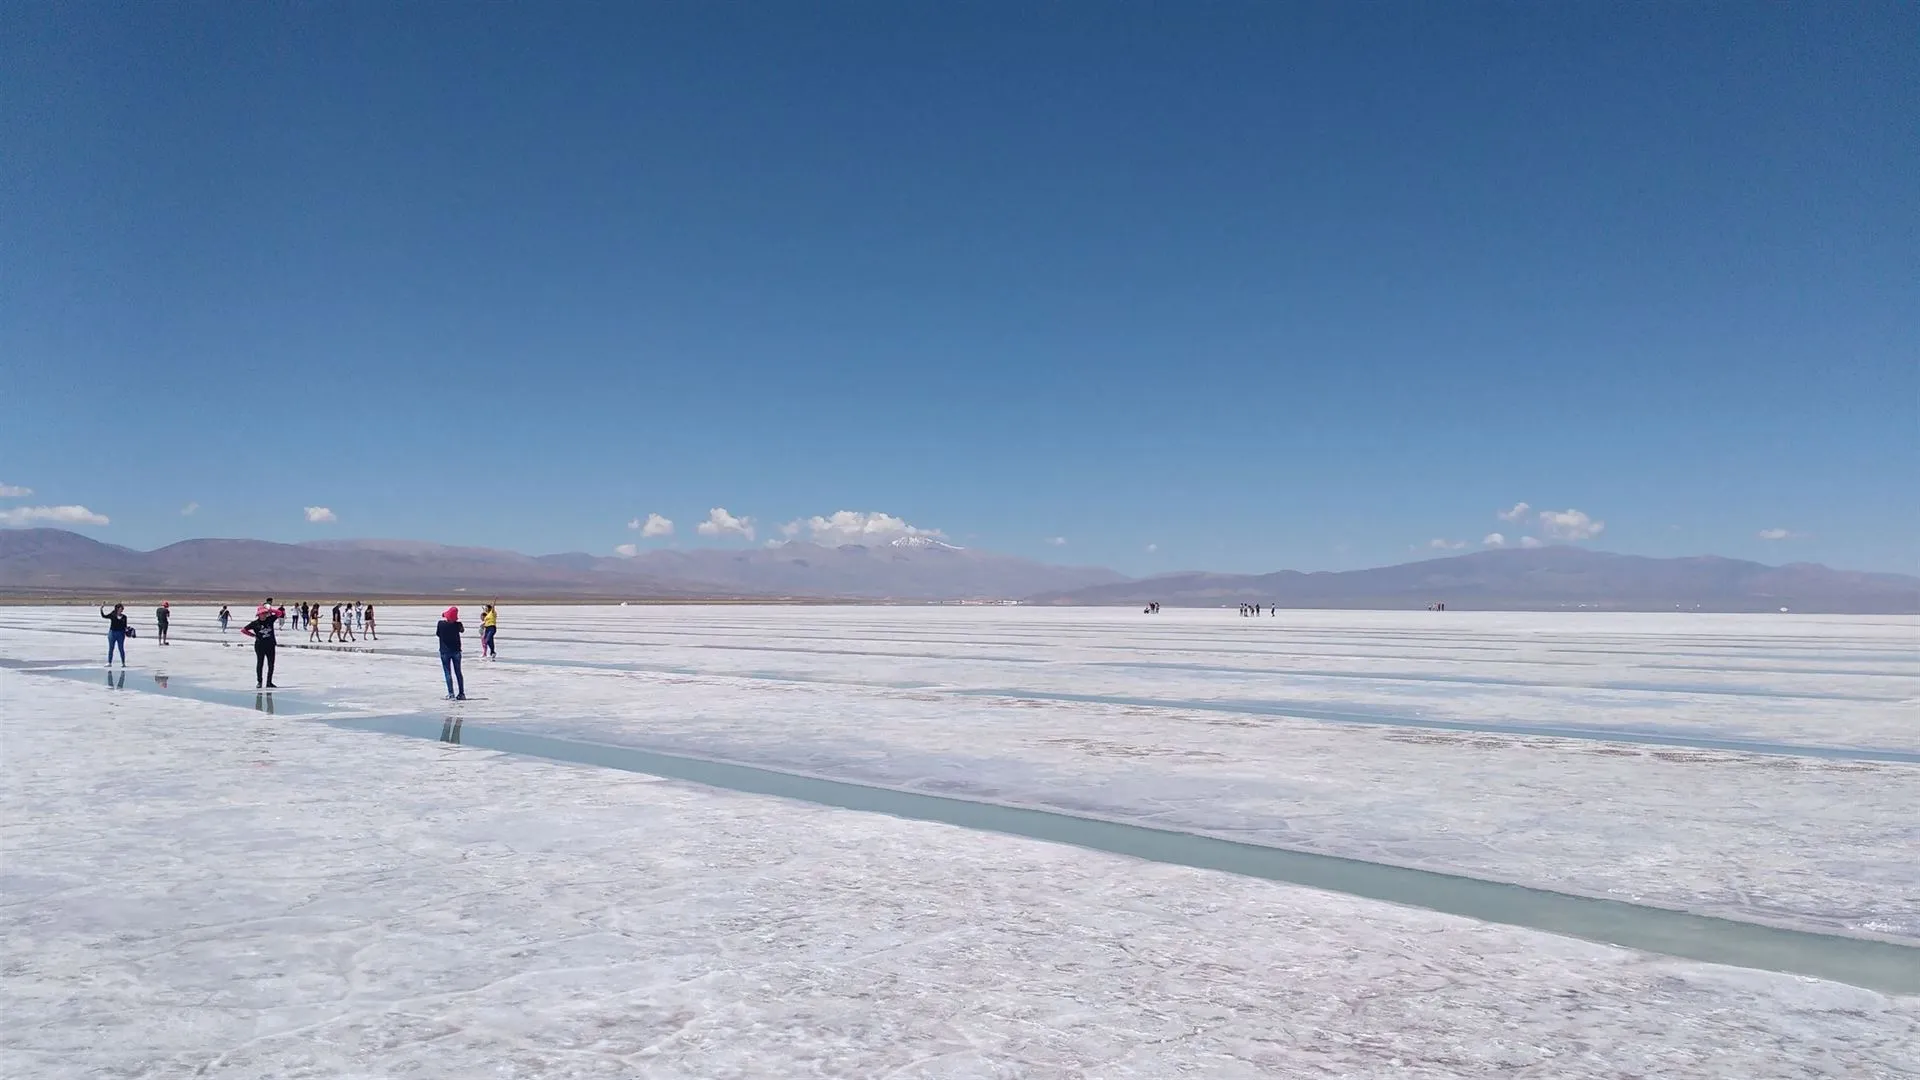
(1822, 845)
(1875, 965)
(191, 889)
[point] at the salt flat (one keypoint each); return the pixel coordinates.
(189, 885)
(943, 700)
(199, 890)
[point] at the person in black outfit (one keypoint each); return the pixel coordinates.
(162, 615)
(261, 631)
(117, 632)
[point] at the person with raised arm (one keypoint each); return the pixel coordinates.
(118, 631)
(261, 630)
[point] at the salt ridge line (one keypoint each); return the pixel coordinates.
(1873, 964)
(1312, 673)
(1278, 710)
(677, 638)
(1315, 673)
(1281, 711)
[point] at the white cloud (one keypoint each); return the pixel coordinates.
(60, 515)
(189, 509)
(653, 526)
(1518, 512)
(1529, 542)
(627, 551)
(1151, 548)
(856, 527)
(721, 523)
(10, 491)
(320, 515)
(1442, 544)
(1494, 540)
(1778, 534)
(1570, 525)
(1057, 541)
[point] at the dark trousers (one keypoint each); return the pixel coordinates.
(263, 661)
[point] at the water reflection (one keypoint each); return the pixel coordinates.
(450, 730)
(280, 703)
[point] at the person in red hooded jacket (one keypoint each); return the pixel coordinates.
(449, 631)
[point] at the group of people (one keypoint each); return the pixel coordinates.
(120, 628)
(264, 630)
(1252, 611)
(1153, 607)
(347, 618)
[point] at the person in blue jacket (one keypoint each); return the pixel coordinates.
(449, 631)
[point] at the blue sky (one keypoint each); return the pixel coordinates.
(1252, 285)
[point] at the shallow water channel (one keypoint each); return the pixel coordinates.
(1877, 965)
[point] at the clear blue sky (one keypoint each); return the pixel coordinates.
(1264, 285)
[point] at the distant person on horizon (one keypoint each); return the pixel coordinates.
(224, 616)
(489, 623)
(160, 616)
(264, 645)
(448, 631)
(371, 633)
(117, 632)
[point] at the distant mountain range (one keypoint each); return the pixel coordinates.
(1548, 578)
(57, 563)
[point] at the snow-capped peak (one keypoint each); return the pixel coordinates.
(921, 542)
